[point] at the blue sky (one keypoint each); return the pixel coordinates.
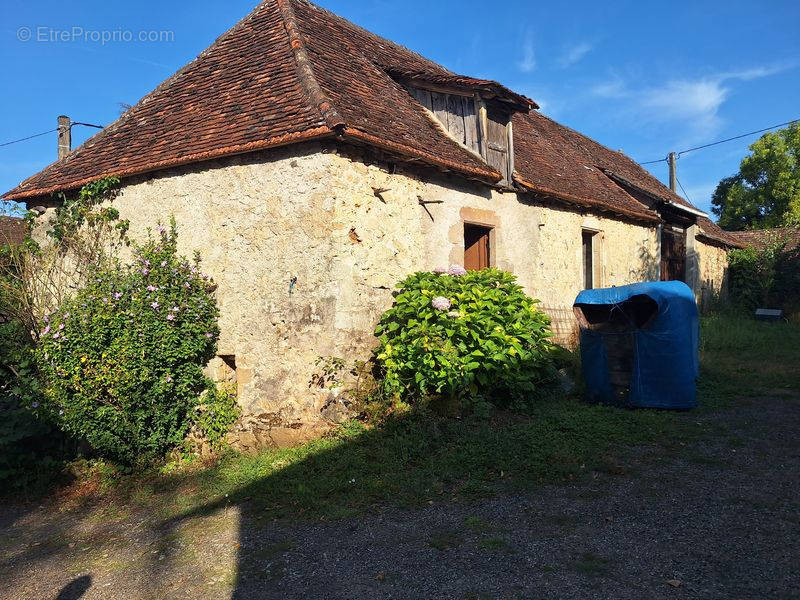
(644, 77)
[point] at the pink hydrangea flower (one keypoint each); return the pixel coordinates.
(440, 303)
(457, 270)
(440, 270)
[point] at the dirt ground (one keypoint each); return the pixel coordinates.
(716, 518)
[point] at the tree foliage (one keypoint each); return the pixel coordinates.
(766, 190)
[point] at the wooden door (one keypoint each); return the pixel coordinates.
(673, 254)
(476, 247)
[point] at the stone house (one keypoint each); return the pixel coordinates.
(314, 164)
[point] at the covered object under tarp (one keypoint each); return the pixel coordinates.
(639, 344)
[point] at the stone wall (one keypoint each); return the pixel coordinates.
(713, 270)
(305, 253)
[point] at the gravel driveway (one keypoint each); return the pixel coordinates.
(717, 518)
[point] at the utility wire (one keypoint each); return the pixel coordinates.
(685, 195)
(730, 139)
(35, 135)
(30, 137)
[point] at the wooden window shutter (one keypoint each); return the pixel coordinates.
(497, 135)
(476, 247)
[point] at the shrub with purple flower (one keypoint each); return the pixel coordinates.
(462, 336)
(126, 375)
(456, 270)
(440, 303)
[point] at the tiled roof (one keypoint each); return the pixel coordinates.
(12, 231)
(292, 71)
(760, 238)
(288, 72)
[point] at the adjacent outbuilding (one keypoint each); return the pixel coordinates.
(639, 344)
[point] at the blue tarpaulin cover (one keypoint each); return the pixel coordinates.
(665, 349)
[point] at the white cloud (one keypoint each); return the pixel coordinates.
(691, 104)
(528, 61)
(573, 54)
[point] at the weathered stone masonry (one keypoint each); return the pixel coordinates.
(306, 254)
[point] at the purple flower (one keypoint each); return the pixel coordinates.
(187, 284)
(440, 303)
(46, 330)
(457, 270)
(154, 304)
(55, 335)
(35, 405)
(208, 335)
(117, 295)
(60, 327)
(151, 288)
(145, 271)
(46, 319)
(168, 378)
(170, 317)
(440, 270)
(147, 262)
(160, 229)
(105, 300)
(163, 263)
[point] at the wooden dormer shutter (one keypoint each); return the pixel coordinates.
(497, 141)
(455, 112)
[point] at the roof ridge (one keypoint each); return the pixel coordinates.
(383, 40)
(305, 71)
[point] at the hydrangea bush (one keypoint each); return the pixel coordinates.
(463, 335)
(122, 360)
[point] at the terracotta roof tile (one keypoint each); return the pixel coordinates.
(12, 231)
(292, 71)
(556, 161)
(760, 238)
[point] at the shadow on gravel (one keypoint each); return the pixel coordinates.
(76, 588)
(409, 461)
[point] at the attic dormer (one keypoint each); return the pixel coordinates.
(477, 115)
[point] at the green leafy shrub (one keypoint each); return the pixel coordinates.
(767, 277)
(122, 359)
(32, 450)
(217, 412)
(463, 336)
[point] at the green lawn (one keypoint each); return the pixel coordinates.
(416, 459)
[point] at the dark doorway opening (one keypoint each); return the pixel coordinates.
(476, 247)
(587, 252)
(673, 254)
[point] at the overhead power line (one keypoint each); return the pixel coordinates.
(730, 139)
(30, 137)
(685, 195)
(35, 135)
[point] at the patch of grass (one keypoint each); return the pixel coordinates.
(495, 544)
(592, 565)
(444, 540)
(477, 525)
(414, 458)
